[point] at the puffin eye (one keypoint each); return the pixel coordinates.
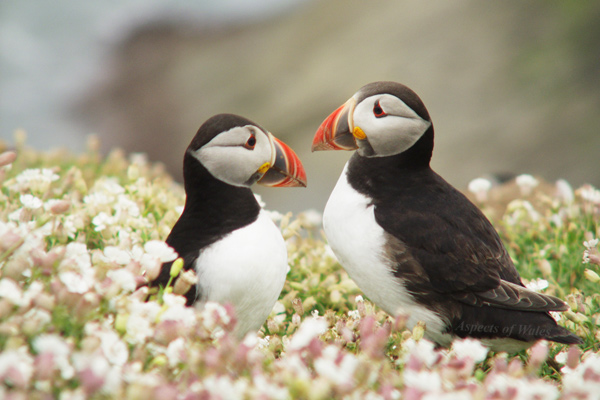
(250, 143)
(378, 111)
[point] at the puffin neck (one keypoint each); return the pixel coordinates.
(206, 194)
(212, 209)
(419, 155)
(416, 157)
(369, 174)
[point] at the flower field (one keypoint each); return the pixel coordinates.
(80, 234)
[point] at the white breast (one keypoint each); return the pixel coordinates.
(247, 269)
(358, 243)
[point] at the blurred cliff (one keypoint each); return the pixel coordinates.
(512, 86)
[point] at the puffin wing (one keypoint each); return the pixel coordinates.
(510, 296)
(447, 246)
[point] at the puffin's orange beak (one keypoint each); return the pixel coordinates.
(285, 169)
(335, 133)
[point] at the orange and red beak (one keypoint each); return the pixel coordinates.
(335, 133)
(285, 169)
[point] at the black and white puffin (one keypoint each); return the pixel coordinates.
(412, 242)
(236, 250)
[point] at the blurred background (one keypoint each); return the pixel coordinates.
(512, 86)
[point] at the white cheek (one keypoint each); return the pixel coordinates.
(392, 134)
(228, 164)
(397, 136)
(234, 165)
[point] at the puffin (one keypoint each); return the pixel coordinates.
(413, 243)
(223, 234)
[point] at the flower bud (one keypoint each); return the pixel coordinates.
(545, 267)
(121, 322)
(418, 331)
(573, 356)
(176, 267)
(60, 207)
(591, 276)
(539, 353)
(297, 305)
(8, 157)
(186, 280)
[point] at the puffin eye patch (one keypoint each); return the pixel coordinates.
(251, 142)
(378, 111)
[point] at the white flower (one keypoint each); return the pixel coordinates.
(555, 315)
(275, 216)
(354, 314)
(311, 218)
(537, 285)
(109, 185)
(526, 183)
(97, 199)
(126, 206)
(480, 188)
(504, 386)
(178, 311)
(117, 255)
(294, 364)
(278, 312)
(263, 343)
(114, 349)
(586, 257)
(76, 394)
(140, 159)
(74, 282)
(424, 350)
(11, 291)
(124, 278)
(564, 191)
(34, 179)
(583, 378)
(520, 209)
(138, 329)
(30, 201)
(561, 357)
(36, 319)
(213, 312)
(61, 351)
(470, 348)
(424, 381)
(33, 291)
(223, 387)
(310, 329)
(175, 351)
(268, 389)
(589, 193)
(103, 221)
(590, 244)
(78, 254)
(71, 224)
(19, 360)
(139, 323)
(479, 185)
(160, 250)
(331, 367)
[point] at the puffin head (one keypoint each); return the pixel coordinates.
(381, 119)
(239, 152)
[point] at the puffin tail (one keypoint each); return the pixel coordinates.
(563, 335)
